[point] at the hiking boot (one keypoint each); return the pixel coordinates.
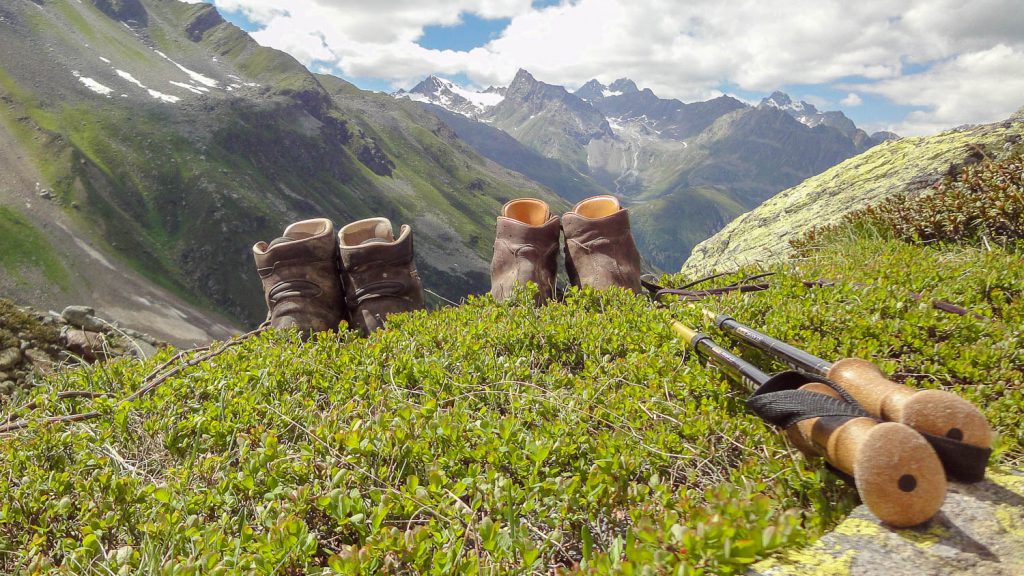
(599, 247)
(525, 249)
(299, 272)
(378, 272)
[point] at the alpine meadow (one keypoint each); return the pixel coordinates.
(539, 287)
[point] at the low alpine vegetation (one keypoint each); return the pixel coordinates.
(579, 437)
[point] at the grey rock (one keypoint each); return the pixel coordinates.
(9, 358)
(979, 531)
(82, 317)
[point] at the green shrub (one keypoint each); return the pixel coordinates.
(494, 438)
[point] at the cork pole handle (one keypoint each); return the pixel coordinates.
(800, 433)
(897, 473)
(933, 412)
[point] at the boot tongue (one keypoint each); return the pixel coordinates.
(280, 240)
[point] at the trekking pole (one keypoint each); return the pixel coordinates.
(896, 473)
(956, 428)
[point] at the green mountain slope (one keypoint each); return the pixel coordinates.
(902, 166)
(496, 438)
(497, 145)
(182, 142)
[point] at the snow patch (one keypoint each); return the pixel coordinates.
(481, 100)
(606, 93)
(195, 76)
(93, 85)
(163, 97)
(189, 87)
(130, 78)
(104, 59)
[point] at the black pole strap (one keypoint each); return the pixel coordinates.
(780, 402)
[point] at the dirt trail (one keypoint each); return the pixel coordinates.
(97, 279)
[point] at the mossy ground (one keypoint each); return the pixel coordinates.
(498, 438)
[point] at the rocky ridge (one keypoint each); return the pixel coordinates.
(809, 115)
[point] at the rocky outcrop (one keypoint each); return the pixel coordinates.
(908, 165)
(978, 532)
(375, 159)
(35, 343)
(130, 11)
(207, 18)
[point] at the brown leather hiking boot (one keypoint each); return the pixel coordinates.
(599, 246)
(378, 272)
(299, 272)
(525, 249)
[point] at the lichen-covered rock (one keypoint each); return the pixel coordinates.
(762, 235)
(979, 531)
(9, 358)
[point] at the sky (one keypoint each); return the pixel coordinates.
(910, 66)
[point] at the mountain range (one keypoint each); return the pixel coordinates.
(145, 145)
(685, 169)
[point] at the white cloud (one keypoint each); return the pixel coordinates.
(685, 50)
(851, 100)
(974, 87)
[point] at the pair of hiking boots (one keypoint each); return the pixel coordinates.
(599, 247)
(312, 279)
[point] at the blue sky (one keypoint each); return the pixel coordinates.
(913, 67)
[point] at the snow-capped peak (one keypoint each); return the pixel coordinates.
(782, 101)
(449, 95)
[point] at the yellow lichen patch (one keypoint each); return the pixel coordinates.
(925, 539)
(813, 561)
(1009, 519)
(819, 563)
(857, 527)
(1012, 482)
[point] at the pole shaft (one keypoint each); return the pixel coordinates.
(790, 355)
(726, 361)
